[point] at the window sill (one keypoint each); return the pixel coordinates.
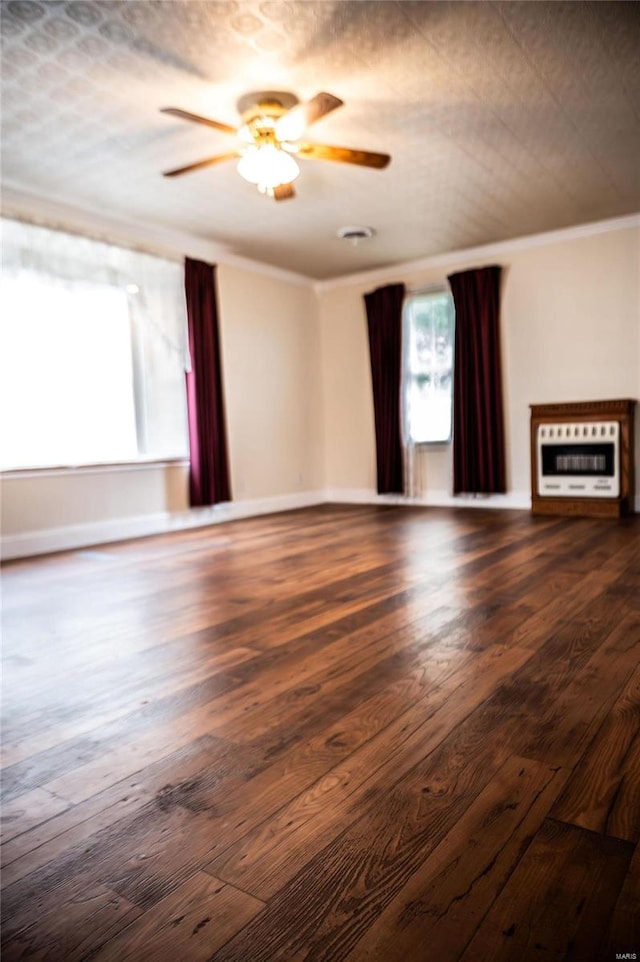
(107, 467)
(432, 444)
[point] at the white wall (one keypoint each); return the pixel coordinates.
(570, 332)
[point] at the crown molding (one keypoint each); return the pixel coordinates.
(148, 237)
(397, 272)
(166, 242)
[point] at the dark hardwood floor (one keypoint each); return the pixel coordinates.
(351, 733)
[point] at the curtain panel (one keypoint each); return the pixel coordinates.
(384, 322)
(478, 422)
(209, 470)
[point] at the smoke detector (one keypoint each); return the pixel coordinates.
(355, 234)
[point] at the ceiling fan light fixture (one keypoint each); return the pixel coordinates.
(244, 134)
(267, 166)
(272, 123)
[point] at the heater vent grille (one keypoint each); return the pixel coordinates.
(578, 459)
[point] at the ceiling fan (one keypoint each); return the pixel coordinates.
(270, 135)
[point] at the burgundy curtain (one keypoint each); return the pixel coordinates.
(478, 430)
(209, 471)
(384, 321)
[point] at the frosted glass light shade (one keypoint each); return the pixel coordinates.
(267, 166)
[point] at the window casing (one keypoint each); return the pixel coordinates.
(428, 343)
(92, 352)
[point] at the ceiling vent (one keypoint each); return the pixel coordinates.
(355, 234)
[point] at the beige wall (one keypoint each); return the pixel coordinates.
(44, 500)
(298, 384)
(347, 411)
(571, 315)
(270, 348)
(570, 331)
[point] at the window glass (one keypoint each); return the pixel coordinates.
(92, 351)
(428, 367)
(66, 376)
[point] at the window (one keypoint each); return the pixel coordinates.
(428, 367)
(92, 352)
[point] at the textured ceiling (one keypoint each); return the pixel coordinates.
(503, 119)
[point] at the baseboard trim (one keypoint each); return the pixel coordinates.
(516, 500)
(74, 536)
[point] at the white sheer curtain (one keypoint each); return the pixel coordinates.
(88, 324)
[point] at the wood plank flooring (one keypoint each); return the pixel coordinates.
(341, 733)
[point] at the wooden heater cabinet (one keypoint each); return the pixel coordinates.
(583, 451)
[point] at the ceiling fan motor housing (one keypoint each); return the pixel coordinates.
(269, 103)
(260, 113)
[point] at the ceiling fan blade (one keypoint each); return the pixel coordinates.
(200, 163)
(185, 115)
(283, 192)
(294, 123)
(363, 158)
